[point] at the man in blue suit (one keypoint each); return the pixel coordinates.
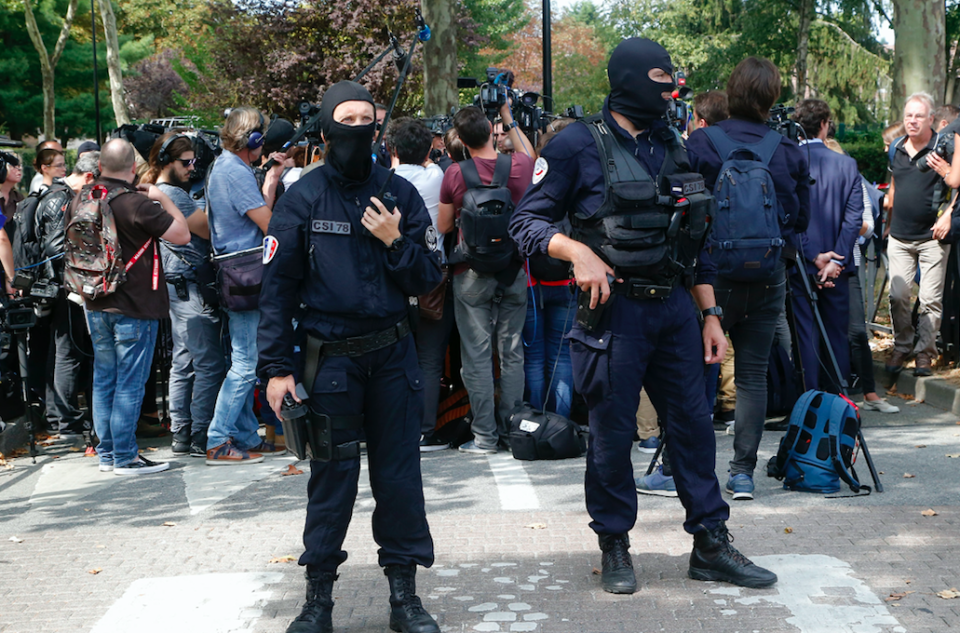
(826, 248)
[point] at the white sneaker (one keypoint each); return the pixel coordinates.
(879, 405)
(141, 466)
(471, 447)
(106, 468)
(730, 429)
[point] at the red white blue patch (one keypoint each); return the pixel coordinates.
(270, 246)
(540, 169)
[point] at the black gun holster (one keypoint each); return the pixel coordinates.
(319, 435)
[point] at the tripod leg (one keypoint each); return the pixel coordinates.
(873, 469)
(28, 408)
(656, 456)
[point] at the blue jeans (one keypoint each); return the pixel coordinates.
(233, 417)
(550, 315)
(198, 362)
(122, 357)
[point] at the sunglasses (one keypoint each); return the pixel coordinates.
(186, 162)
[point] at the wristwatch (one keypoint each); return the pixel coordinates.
(716, 311)
(397, 244)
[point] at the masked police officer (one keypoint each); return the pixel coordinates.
(638, 221)
(336, 248)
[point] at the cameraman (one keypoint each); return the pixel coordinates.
(915, 234)
(490, 307)
(197, 366)
(751, 310)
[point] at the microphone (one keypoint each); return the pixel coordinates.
(423, 32)
(399, 56)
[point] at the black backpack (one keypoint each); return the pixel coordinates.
(544, 435)
(485, 243)
(27, 246)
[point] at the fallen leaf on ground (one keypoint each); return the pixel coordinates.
(898, 596)
(949, 594)
(597, 572)
(16, 539)
(908, 581)
(920, 446)
(788, 530)
(953, 455)
(908, 476)
(881, 473)
(284, 559)
(168, 524)
(536, 526)
(929, 513)
(94, 571)
(75, 449)
(151, 448)
(291, 470)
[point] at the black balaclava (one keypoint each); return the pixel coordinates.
(632, 93)
(348, 146)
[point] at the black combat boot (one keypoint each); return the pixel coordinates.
(617, 565)
(714, 558)
(317, 613)
(407, 614)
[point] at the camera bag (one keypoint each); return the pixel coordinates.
(820, 446)
(544, 435)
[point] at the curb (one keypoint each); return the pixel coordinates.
(932, 390)
(14, 436)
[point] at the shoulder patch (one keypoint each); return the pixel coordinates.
(540, 169)
(431, 239)
(270, 246)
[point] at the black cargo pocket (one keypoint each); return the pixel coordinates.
(330, 381)
(590, 356)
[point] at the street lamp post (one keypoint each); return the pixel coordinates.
(96, 83)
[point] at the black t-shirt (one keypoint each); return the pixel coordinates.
(139, 219)
(918, 194)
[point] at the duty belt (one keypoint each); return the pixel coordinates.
(638, 288)
(354, 346)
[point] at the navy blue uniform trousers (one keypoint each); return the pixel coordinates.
(834, 305)
(656, 344)
(385, 386)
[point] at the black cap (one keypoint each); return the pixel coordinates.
(87, 146)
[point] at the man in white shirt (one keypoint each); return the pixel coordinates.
(409, 142)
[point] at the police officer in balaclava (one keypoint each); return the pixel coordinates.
(647, 316)
(352, 261)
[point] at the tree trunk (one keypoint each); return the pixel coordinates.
(48, 62)
(440, 58)
(950, 95)
(919, 58)
(803, 47)
(113, 62)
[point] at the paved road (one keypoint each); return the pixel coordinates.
(191, 549)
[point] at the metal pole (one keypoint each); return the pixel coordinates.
(547, 60)
(96, 83)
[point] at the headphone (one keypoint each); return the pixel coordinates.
(254, 138)
(3, 167)
(163, 158)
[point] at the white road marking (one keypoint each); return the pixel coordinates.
(64, 480)
(513, 484)
(208, 485)
(822, 596)
(209, 603)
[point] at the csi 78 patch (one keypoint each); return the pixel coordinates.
(329, 226)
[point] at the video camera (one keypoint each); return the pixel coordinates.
(206, 143)
(781, 122)
(678, 111)
(497, 91)
(944, 149)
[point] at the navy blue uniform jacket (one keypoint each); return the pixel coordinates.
(349, 282)
(573, 183)
(836, 207)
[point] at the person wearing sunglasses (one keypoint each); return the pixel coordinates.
(198, 363)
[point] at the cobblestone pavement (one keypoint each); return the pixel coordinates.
(192, 549)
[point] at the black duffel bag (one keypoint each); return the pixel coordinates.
(538, 435)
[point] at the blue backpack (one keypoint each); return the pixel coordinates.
(745, 240)
(820, 446)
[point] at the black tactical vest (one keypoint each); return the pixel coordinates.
(646, 230)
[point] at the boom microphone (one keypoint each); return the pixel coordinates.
(423, 32)
(399, 56)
